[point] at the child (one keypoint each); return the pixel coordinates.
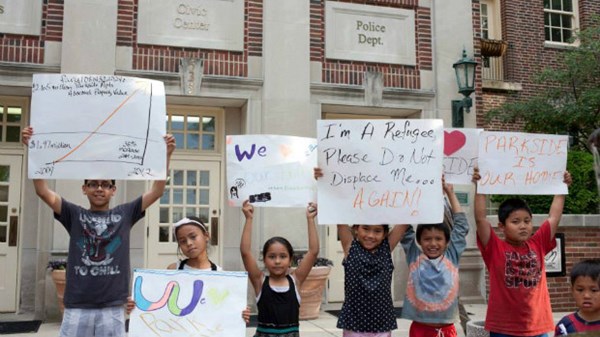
(99, 241)
(519, 303)
(277, 295)
(585, 285)
(431, 299)
(368, 309)
(192, 240)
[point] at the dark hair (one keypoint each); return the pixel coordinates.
(386, 228)
(590, 268)
(439, 226)
(112, 181)
(194, 218)
(278, 239)
(511, 205)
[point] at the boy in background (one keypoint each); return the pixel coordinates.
(519, 303)
(585, 285)
(98, 266)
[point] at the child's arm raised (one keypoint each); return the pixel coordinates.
(254, 273)
(556, 209)
(449, 190)
(158, 186)
(396, 234)
(345, 234)
(313, 246)
(47, 195)
(483, 225)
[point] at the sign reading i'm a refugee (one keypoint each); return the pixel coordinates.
(380, 171)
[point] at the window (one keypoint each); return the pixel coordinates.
(11, 116)
(194, 130)
(560, 20)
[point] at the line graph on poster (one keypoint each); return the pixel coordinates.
(98, 126)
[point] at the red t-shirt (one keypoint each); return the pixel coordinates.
(519, 302)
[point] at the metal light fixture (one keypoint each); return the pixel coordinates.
(465, 79)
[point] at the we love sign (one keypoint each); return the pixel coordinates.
(271, 170)
(188, 303)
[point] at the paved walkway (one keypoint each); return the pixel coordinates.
(321, 327)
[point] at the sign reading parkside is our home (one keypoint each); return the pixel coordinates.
(369, 33)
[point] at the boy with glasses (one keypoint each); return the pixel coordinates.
(98, 265)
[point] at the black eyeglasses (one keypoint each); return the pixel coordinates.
(94, 185)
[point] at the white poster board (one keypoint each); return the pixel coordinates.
(380, 171)
(188, 303)
(522, 163)
(97, 126)
(270, 170)
(461, 148)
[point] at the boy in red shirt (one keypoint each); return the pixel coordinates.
(519, 303)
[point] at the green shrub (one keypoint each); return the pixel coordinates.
(583, 195)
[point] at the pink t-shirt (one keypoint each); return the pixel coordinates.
(519, 302)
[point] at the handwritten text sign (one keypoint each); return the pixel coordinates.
(380, 171)
(188, 303)
(460, 154)
(271, 171)
(522, 163)
(97, 126)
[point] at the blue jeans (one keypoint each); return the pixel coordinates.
(495, 334)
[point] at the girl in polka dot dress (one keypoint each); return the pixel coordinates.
(368, 309)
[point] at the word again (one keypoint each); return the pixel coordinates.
(170, 298)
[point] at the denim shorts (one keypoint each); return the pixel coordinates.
(101, 322)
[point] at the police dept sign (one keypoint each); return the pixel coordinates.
(369, 33)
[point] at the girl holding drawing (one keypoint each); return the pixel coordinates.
(192, 241)
(277, 295)
(368, 308)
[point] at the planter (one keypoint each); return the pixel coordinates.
(59, 277)
(493, 48)
(475, 329)
(311, 292)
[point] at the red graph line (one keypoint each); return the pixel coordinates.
(98, 127)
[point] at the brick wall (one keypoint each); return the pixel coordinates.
(352, 72)
(166, 58)
(580, 243)
(30, 49)
(523, 29)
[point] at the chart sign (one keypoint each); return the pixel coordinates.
(271, 170)
(461, 148)
(522, 163)
(380, 171)
(188, 303)
(97, 126)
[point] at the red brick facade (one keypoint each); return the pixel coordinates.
(166, 58)
(352, 72)
(523, 28)
(30, 49)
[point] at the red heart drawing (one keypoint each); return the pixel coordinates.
(453, 141)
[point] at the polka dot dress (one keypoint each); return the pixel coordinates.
(368, 305)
